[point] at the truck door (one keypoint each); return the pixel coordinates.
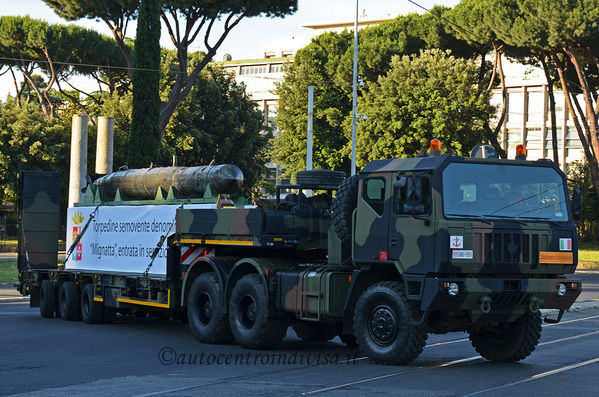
(411, 232)
(371, 223)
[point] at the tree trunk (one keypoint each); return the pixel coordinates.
(14, 79)
(491, 135)
(551, 95)
(591, 118)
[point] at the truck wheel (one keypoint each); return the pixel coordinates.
(313, 332)
(47, 299)
(69, 301)
(319, 177)
(91, 311)
(205, 314)
(381, 325)
(250, 318)
(508, 342)
(343, 206)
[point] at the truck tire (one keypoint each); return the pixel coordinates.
(313, 332)
(249, 315)
(69, 301)
(91, 311)
(508, 342)
(319, 177)
(47, 299)
(343, 206)
(381, 325)
(207, 320)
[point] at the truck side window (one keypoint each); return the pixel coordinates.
(414, 197)
(374, 194)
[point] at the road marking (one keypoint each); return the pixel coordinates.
(568, 338)
(535, 377)
(570, 321)
(418, 369)
(448, 342)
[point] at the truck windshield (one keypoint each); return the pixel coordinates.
(504, 191)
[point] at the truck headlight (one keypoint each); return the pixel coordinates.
(561, 289)
(453, 289)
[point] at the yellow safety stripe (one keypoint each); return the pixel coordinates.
(216, 242)
(146, 303)
(98, 299)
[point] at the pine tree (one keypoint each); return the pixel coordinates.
(144, 141)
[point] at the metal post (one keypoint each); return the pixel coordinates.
(310, 126)
(354, 117)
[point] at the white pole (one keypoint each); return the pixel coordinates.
(78, 166)
(105, 145)
(310, 127)
(354, 117)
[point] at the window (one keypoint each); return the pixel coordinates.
(413, 196)
(258, 69)
(275, 68)
(374, 194)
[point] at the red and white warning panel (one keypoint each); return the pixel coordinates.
(190, 255)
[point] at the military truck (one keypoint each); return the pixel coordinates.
(405, 248)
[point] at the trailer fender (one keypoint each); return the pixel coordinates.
(220, 267)
(261, 266)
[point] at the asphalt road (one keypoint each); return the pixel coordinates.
(42, 357)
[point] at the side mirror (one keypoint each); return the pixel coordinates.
(577, 204)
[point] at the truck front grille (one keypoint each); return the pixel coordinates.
(511, 247)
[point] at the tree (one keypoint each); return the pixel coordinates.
(326, 63)
(144, 141)
(218, 122)
(185, 20)
(567, 31)
(422, 97)
(475, 21)
(115, 13)
(315, 65)
(29, 141)
(58, 51)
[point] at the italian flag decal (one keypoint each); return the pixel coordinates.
(565, 244)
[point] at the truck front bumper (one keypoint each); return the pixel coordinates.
(498, 297)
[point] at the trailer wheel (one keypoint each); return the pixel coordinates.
(343, 206)
(47, 299)
(91, 311)
(313, 332)
(508, 342)
(250, 318)
(381, 325)
(205, 310)
(69, 301)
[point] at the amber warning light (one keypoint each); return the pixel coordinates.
(435, 148)
(520, 152)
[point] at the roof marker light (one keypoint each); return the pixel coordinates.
(435, 148)
(520, 152)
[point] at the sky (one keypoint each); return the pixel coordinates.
(244, 40)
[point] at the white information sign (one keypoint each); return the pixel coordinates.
(121, 238)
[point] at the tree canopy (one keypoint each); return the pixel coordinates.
(432, 95)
